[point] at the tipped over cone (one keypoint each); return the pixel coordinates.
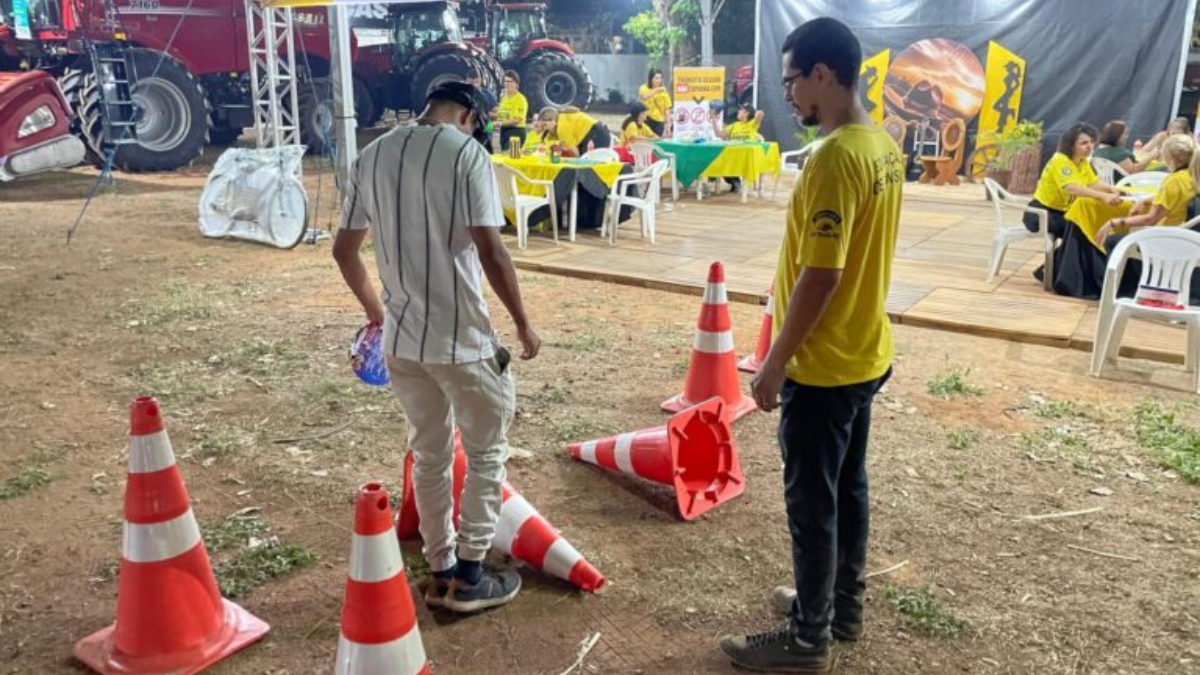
(170, 616)
(693, 453)
(712, 370)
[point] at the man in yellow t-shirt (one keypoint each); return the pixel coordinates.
(575, 128)
(658, 102)
(512, 111)
(832, 349)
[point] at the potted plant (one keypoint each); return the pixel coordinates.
(1017, 158)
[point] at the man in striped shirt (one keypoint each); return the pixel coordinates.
(429, 197)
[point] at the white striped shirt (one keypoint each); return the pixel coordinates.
(420, 188)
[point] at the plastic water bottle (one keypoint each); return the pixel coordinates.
(591, 145)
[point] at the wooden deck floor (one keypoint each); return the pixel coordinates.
(939, 277)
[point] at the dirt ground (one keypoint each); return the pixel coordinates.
(245, 347)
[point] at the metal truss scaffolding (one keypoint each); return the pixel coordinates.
(272, 75)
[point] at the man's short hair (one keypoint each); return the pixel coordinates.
(827, 41)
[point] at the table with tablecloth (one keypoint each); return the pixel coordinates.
(580, 185)
(747, 160)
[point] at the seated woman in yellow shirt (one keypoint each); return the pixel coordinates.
(512, 111)
(634, 127)
(746, 126)
(537, 136)
(658, 102)
(575, 129)
(1081, 265)
(1069, 175)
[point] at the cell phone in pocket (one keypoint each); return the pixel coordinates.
(503, 358)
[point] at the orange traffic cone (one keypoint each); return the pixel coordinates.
(170, 616)
(713, 369)
(521, 531)
(693, 453)
(379, 623)
(753, 362)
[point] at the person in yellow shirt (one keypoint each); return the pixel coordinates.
(512, 111)
(658, 102)
(746, 126)
(537, 136)
(832, 349)
(634, 127)
(1066, 176)
(575, 129)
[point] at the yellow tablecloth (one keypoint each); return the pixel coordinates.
(746, 161)
(541, 168)
(1089, 215)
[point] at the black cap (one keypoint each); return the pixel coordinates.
(468, 97)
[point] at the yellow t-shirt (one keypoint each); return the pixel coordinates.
(513, 107)
(1060, 172)
(844, 214)
(634, 131)
(743, 131)
(657, 105)
(532, 139)
(1177, 191)
(573, 127)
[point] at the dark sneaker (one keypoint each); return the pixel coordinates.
(494, 588)
(436, 589)
(847, 623)
(1040, 273)
(776, 651)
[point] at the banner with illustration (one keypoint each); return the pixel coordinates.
(695, 89)
(870, 83)
(1036, 70)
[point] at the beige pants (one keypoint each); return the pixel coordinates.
(480, 400)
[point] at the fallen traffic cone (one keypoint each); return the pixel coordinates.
(521, 531)
(753, 362)
(379, 634)
(713, 368)
(693, 453)
(170, 616)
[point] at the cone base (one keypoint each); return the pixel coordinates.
(241, 629)
(750, 364)
(733, 411)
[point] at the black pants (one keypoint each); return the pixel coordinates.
(598, 135)
(823, 432)
(511, 132)
(657, 127)
(1057, 220)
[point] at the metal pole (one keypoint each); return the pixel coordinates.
(1183, 57)
(758, 48)
(344, 121)
(706, 32)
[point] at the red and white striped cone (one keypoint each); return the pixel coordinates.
(170, 616)
(754, 361)
(693, 453)
(521, 531)
(379, 634)
(713, 367)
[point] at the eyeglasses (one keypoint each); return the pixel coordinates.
(789, 81)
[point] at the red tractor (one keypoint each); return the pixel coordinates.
(184, 64)
(551, 74)
(35, 126)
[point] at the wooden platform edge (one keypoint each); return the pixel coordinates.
(634, 280)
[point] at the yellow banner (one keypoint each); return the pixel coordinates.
(870, 83)
(699, 84)
(1002, 93)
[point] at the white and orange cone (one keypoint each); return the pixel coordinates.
(521, 531)
(753, 362)
(713, 368)
(170, 616)
(693, 453)
(379, 633)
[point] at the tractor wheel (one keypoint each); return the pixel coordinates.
(171, 115)
(315, 101)
(365, 108)
(72, 83)
(224, 137)
(445, 67)
(555, 80)
(492, 72)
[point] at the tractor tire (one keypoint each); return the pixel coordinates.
(72, 83)
(315, 100)
(492, 72)
(365, 109)
(439, 68)
(172, 126)
(223, 137)
(556, 80)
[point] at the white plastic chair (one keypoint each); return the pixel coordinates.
(644, 201)
(1006, 234)
(800, 156)
(1145, 179)
(1106, 169)
(524, 205)
(1169, 254)
(602, 155)
(644, 154)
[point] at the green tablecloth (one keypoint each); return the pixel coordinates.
(691, 159)
(716, 159)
